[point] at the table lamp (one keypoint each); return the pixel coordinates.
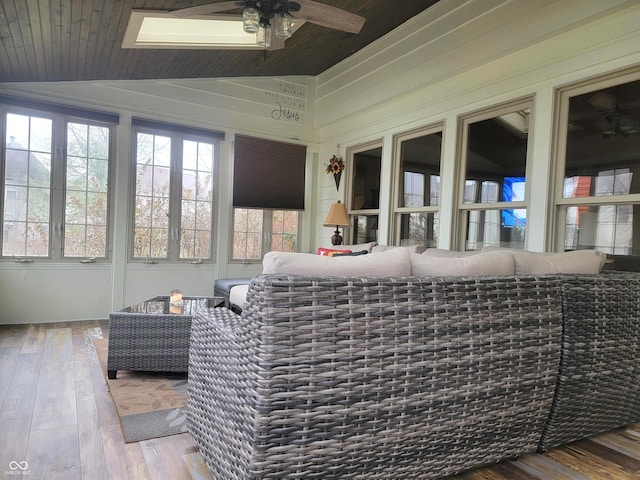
(337, 216)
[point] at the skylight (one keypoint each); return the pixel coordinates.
(160, 29)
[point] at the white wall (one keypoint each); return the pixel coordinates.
(462, 56)
(44, 292)
(455, 58)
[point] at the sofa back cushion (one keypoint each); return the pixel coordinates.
(488, 263)
(577, 261)
(441, 252)
(393, 263)
(411, 248)
(354, 248)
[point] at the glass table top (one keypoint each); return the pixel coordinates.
(162, 306)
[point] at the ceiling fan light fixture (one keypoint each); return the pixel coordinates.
(283, 25)
(250, 19)
(629, 125)
(263, 38)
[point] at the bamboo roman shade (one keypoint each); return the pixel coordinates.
(268, 174)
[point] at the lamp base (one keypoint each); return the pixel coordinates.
(336, 238)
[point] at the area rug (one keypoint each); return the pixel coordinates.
(149, 404)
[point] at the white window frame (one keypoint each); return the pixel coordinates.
(349, 233)
(398, 210)
(466, 209)
(556, 237)
(266, 233)
(57, 188)
(174, 234)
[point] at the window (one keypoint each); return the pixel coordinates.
(257, 231)
(365, 164)
(268, 193)
(599, 199)
(174, 192)
(493, 197)
(56, 182)
(418, 185)
(86, 200)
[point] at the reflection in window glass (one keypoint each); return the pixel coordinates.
(601, 160)
(420, 168)
(413, 189)
(365, 195)
(496, 159)
(416, 219)
(365, 228)
(366, 179)
(513, 191)
(486, 228)
(608, 228)
(497, 151)
(420, 228)
(603, 140)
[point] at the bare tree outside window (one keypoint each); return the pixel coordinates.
(174, 199)
(27, 185)
(258, 231)
(86, 202)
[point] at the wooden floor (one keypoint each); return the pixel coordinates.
(57, 421)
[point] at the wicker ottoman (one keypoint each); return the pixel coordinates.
(149, 337)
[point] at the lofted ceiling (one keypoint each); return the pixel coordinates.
(75, 40)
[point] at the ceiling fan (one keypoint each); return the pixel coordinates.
(615, 120)
(271, 20)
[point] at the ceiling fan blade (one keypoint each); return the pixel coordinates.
(207, 9)
(329, 16)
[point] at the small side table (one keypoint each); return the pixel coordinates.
(153, 335)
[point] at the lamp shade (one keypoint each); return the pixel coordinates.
(337, 216)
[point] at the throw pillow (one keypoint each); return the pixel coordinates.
(394, 263)
(329, 252)
(490, 263)
(355, 248)
(348, 253)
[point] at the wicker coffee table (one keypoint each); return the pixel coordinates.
(153, 335)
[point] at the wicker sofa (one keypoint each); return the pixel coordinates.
(411, 376)
(599, 378)
(373, 378)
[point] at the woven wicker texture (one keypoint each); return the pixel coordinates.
(599, 384)
(373, 378)
(158, 343)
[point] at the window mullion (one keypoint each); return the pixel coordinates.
(175, 197)
(56, 225)
(267, 222)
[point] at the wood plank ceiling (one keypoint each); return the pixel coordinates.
(71, 40)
